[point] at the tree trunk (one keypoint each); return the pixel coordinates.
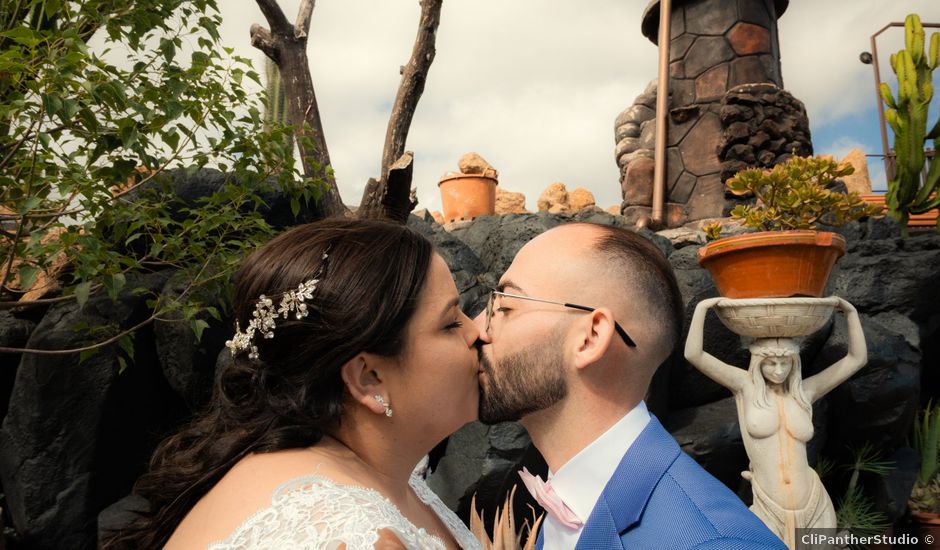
(388, 197)
(399, 199)
(286, 45)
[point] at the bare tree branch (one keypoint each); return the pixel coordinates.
(397, 199)
(414, 76)
(107, 342)
(304, 13)
(261, 38)
(275, 16)
(399, 188)
(287, 47)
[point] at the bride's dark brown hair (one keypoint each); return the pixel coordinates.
(292, 395)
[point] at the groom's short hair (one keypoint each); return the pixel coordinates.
(647, 276)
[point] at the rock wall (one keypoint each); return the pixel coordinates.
(75, 436)
(761, 126)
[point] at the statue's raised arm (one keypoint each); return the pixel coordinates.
(822, 383)
(727, 375)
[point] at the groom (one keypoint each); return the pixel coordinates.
(569, 342)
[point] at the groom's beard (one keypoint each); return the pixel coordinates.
(527, 381)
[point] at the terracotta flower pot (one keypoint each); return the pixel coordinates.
(466, 196)
(772, 264)
(927, 220)
(926, 526)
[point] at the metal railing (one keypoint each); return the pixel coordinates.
(872, 58)
(891, 158)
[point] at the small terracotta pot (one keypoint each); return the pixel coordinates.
(927, 220)
(466, 196)
(772, 264)
(924, 525)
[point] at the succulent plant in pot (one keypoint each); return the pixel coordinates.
(787, 256)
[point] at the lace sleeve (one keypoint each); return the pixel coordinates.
(461, 534)
(313, 513)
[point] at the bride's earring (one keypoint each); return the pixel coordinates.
(381, 401)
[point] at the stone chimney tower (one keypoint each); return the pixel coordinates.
(726, 108)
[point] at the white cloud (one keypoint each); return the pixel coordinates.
(534, 85)
(820, 43)
(841, 146)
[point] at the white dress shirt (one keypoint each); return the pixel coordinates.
(581, 480)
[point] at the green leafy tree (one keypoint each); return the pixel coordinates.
(84, 131)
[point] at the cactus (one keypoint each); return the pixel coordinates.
(907, 116)
(925, 496)
(927, 442)
(275, 110)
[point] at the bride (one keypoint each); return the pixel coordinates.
(352, 360)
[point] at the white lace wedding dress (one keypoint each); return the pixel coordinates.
(314, 513)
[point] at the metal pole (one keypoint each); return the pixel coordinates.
(662, 97)
(888, 157)
(889, 165)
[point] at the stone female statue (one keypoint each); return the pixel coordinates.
(775, 413)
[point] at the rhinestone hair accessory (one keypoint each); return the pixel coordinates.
(264, 317)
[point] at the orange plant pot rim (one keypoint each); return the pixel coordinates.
(927, 518)
(771, 238)
(467, 196)
(772, 264)
(453, 177)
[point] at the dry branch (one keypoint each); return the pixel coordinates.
(286, 45)
(380, 199)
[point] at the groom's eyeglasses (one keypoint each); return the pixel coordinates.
(494, 293)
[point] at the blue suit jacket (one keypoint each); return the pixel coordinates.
(660, 498)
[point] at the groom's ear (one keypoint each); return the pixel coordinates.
(594, 337)
(362, 377)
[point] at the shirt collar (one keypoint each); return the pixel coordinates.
(581, 480)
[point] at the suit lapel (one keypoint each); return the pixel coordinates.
(600, 531)
(623, 500)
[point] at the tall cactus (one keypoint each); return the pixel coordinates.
(907, 116)
(275, 111)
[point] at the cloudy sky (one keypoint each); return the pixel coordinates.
(534, 85)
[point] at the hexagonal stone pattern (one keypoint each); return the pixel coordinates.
(705, 53)
(681, 91)
(679, 46)
(674, 166)
(755, 11)
(637, 186)
(682, 190)
(699, 154)
(749, 70)
(707, 200)
(709, 17)
(747, 38)
(677, 69)
(677, 24)
(681, 121)
(712, 84)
